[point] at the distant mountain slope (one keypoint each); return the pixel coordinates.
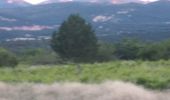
(111, 22)
(13, 3)
(86, 1)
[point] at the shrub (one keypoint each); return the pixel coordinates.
(127, 49)
(39, 57)
(105, 52)
(7, 58)
(150, 51)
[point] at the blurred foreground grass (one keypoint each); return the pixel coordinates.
(154, 75)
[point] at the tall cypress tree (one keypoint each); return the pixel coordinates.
(75, 40)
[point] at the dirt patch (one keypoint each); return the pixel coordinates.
(78, 91)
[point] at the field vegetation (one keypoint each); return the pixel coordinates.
(151, 74)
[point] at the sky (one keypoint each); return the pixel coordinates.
(113, 1)
(34, 1)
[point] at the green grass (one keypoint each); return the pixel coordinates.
(154, 75)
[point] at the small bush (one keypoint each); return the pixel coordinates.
(39, 57)
(7, 58)
(105, 52)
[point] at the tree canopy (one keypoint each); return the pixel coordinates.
(75, 40)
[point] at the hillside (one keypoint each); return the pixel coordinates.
(111, 22)
(13, 3)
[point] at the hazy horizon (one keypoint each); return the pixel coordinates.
(35, 2)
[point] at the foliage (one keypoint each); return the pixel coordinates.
(75, 40)
(127, 49)
(151, 74)
(165, 49)
(150, 51)
(7, 58)
(105, 52)
(39, 57)
(132, 49)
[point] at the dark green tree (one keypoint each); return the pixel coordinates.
(75, 40)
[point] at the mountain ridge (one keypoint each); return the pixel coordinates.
(111, 22)
(13, 4)
(22, 3)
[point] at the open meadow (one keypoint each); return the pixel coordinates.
(150, 74)
(117, 80)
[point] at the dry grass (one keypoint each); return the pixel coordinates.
(78, 91)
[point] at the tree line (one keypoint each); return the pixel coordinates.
(75, 41)
(134, 49)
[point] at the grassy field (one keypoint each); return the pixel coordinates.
(154, 75)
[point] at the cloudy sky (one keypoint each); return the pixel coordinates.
(113, 1)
